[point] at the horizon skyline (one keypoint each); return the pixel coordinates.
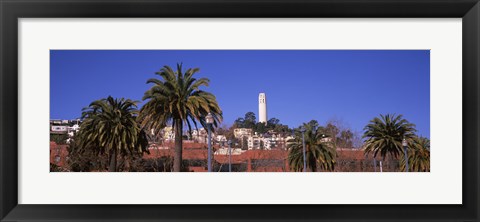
(118, 66)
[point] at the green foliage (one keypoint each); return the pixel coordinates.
(177, 98)
(239, 123)
(275, 125)
(249, 122)
(59, 138)
(345, 140)
(260, 128)
(56, 168)
(319, 153)
(384, 135)
(110, 127)
(273, 122)
(282, 129)
(250, 119)
(223, 131)
(88, 160)
(331, 130)
(312, 123)
(85, 160)
(418, 155)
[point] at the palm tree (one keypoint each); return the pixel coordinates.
(320, 154)
(384, 135)
(177, 99)
(418, 155)
(110, 127)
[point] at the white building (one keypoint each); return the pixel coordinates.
(254, 142)
(267, 141)
(242, 132)
(271, 141)
(225, 151)
(262, 108)
(168, 134)
(74, 128)
(201, 135)
(221, 139)
(56, 121)
(326, 140)
(59, 129)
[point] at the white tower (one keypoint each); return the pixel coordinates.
(262, 108)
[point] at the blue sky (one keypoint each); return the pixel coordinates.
(301, 85)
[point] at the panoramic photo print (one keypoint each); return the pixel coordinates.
(240, 111)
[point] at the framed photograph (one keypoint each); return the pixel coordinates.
(224, 110)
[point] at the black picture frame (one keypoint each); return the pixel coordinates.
(11, 11)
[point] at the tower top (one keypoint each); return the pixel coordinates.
(262, 108)
(262, 97)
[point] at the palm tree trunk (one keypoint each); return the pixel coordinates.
(113, 161)
(177, 161)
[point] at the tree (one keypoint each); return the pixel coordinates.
(273, 122)
(230, 133)
(110, 127)
(178, 99)
(250, 117)
(345, 140)
(332, 131)
(334, 128)
(319, 154)
(357, 141)
(223, 130)
(384, 135)
(282, 129)
(239, 123)
(59, 138)
(313, 123)
(250, 120)
(418, 155)
(84, 160)
(260, 128)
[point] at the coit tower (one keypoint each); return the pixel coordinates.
(262, 108)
